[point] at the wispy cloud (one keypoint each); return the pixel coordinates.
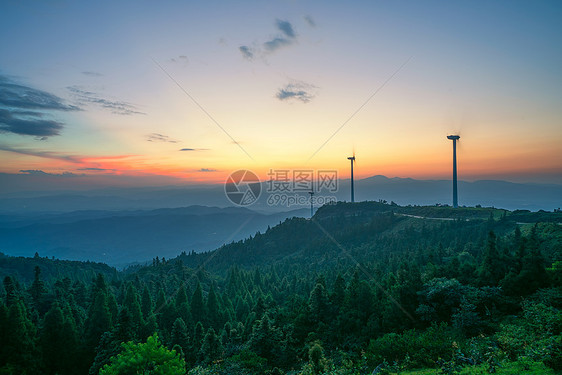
(17, 96)
(43, 154)
(309, 20)
(84, 162)
(92, 74)
(285, 37)
(207, 170)
(38, 172)
(23, 110)
(156, 137)
(247, 52)
(300, 91)
(117, 107)
(181, 59)
(96, 169)
(276, 43)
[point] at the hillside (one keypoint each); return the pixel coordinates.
(23, 269)
(366, 226)
(359, 287)
(124, 237)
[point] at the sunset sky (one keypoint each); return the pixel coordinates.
(185, 91)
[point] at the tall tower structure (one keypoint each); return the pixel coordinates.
(352, 159)
(454, 138)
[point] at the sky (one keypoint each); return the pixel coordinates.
(175, 92)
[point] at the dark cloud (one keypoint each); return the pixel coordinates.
(286, 28)
(32, 124)
(117, 107)
(92, 74)
(14, 96)
(310, 21)
(38, 172)
(155, 137)
(194, 149)
(247, 52)
(287, 37)
(206, 170)
(301, 91)
(23, 110)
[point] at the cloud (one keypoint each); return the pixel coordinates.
(117, 107)
(206, 170)
(247, 52)
(194, 149)
(309, 20)
(301, 91)
(286, 37)
(16, 96)
(286, 28)
(276, 43)
(155, 137)
(23, 110)
(38, 172)
(92, 74)
(182, 59)
(33, 124)
(43, 154)
(96, 169)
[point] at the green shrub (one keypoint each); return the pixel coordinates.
(422, 348)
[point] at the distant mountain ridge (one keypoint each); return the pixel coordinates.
(405, 191)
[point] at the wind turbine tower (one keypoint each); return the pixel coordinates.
(311, 192)
(454, 138)
(352, 159)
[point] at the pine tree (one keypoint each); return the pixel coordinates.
(98, 321)
(12, 294)
(265, 339)
(20, 338)
(211, 348)
(146, 303)
(318, 302)
(179, 335)
(132, 304)
(58, 341)
(197, 306)
(492, 267)
(37, 289)
(213, 309)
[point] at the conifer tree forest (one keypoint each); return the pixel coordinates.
(361, 288)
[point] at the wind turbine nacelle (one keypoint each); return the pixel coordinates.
(453, 137)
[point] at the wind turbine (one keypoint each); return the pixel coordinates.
(454, 138)
(352, 159)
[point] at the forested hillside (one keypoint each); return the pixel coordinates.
(359, 288)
